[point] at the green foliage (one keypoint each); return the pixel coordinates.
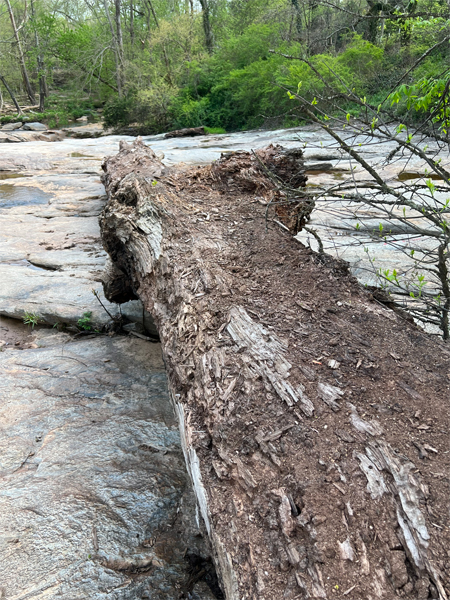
(118, 111)
(168, 79)
(428, 96)
(85, 322)
(30, 318)
(215, 130)
(188, 112)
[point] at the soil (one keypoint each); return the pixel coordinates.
(336, 333)
(15, 334)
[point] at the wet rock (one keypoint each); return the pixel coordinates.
(34, 161)
(8, 138)
(50, 253)
(35, 127)
(11, 126)
(86, 505)
(91, 130)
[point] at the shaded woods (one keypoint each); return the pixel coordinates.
(168, 64)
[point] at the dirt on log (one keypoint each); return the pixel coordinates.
(314, 420)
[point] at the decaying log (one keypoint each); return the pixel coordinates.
(188, 132)
(307, 476)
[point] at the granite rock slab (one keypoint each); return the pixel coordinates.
(94, 496)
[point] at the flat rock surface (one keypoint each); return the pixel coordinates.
(50, 252)
(94, 497)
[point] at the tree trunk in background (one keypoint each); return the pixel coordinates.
(118, 4)
(42, 79)
(152, 10)
(314, 421)
(131, 23)
(11, 93)
(23, 67)
(116, 50)
(209, 38)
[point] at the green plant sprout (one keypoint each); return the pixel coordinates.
(31, 319)
(85, 322)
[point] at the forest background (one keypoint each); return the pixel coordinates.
(226, 64)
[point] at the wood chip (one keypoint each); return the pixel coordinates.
(271, 437)
(339, 487)
(344, 436)
(142, 337)
(410, 391)
(329, 394)
(347, 592)
(430, 448)
(333, 364)
(305, 306)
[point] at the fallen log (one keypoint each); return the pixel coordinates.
(314, 420)
(188, 132)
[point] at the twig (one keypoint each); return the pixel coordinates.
(114, 318)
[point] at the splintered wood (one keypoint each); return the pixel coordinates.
(319, 471)
(267, 353)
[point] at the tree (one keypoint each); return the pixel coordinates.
(23, 67)
(43, 91)
(413, 216)
(209, 38)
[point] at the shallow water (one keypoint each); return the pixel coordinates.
(4, 175)
(406, 176)
(11, 195)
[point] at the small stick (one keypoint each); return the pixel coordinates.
(104, 307)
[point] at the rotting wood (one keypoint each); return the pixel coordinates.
(188, 132)
(263, 496)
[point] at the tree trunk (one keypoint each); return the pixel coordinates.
(155, 18)
(118, 4)
(11, 93)
(209, 38)
(187, 132)
(319, 467)
(132, 24)
(42, 81)
(116, 50)
(23, 67)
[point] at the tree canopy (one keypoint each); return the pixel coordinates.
(162, 64)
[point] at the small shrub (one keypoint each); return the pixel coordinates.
(31, 319)
(118, 111)
(85, 322)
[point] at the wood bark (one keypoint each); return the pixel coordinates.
(23, 67)
(187, 132)
(300, 423)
